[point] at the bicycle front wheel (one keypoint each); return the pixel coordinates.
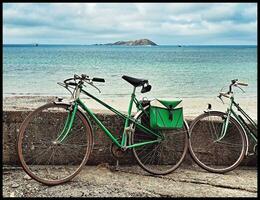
(161, 157)
(207, 148)
(41, 156)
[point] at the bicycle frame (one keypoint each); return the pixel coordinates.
(230, 111)
(128, 118)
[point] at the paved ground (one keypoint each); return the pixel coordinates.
(102, 181)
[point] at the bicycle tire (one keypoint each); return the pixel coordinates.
(210, 154)
(38, 130)
(172, 149)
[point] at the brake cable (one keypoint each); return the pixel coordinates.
(91, 83)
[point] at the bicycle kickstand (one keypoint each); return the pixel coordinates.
(117, 165)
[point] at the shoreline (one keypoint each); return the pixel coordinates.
(192, 107)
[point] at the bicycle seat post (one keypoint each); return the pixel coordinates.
(124, 136)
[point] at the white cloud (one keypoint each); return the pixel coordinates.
(96, 22)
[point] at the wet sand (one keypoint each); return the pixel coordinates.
(191, 106)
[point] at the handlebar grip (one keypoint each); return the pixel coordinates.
(98, 80)
(72, 83)
(243, 84)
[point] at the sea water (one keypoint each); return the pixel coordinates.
(184, 72)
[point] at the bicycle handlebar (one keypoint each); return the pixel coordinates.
(243, 84)
(235, 83)
(83, 78)
(98, 80)
(224, 94)
(66, 80)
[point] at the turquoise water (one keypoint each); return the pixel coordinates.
(188, 71)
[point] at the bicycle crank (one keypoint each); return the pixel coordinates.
(116, 151)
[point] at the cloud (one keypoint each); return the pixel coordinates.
(167, 23)
(240, 13)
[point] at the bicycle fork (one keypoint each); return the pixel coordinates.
(224, 128)
(225, 123)
(68, 123)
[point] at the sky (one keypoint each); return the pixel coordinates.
(163, 23)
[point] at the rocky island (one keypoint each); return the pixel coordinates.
(140, 42)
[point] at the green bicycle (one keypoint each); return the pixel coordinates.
(218, 141)
(56, 140)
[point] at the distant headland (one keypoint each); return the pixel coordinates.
(140, 42)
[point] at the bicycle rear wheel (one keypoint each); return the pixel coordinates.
(209, 153)
(162, 157)
(41, 156)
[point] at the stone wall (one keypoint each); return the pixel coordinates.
(102, 143)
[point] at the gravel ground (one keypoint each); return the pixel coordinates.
(132, 181)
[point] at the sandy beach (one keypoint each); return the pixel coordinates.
(191, 106)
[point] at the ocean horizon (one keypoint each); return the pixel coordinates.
(97, 44)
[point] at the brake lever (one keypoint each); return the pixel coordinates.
(91, 83)
(65, 86)
(219, 96)
(240, 88)
(62, 84)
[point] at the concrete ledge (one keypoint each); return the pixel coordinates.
(101, 152)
